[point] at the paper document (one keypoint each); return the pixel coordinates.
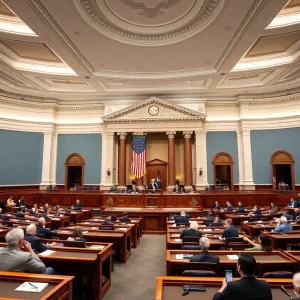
(34, 287)
(84, 232)
(124, 229)
(233, 257)
(97, 247)
(207, 230)
(179, 256)
(47, 252)
(176, 235)
(178, 240)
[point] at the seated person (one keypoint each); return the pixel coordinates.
(292, 203)
(35, 242)
(18, 255)
(77, 235)
(152, 185)
(296, 214)
(112, 218)
(296, 283)
(217, 222)
(34, 209)
(58, 213)
(240, 208)
(209, 219)
(216, 205)
(256, 211)
(124, 217)
(46, 213)
(264, 243)
(205, 256)
(4, 220)
(246, 288)
(229, 206)
(183, 218)
(230, 231)
(21, 202)
(177, 189)
(10, 201)
(192, 231)
(107, 224)
(113, 189)
(40, 229)
(288, 216)
(77, 205)
(134, 189)
(283, 225)
(20, 213)
(273, 209)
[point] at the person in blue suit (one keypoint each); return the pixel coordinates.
(48, 234)
(229, 206)
(183, 218)
(77, 205)
(230, 231)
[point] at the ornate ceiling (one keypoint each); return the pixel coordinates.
(107, 50)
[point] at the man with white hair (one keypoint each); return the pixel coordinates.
(205, 256)
(183, 218)
(18, 256)
(296, 283)
(41, 229)
(283, 225)
(34, 241)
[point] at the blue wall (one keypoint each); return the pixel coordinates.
(222, 141)
(264, 143)
(21, 157)
(89, 146)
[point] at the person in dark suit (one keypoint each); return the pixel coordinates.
(296, 283)
(46, 213)
(296, 214)
(216, 205)
(77, 205)
(217, 222)
(152, 185)
(230, 230)
(229, 206)
(124, 218)
(40, 229)
(21, 202)
(177, 189)
(192, 231)
(209, 219)
(205, 256)
(240, 207)
(4, 220)
(107, 225)
(134, 189)
(112, 218)
(36, 244)
(58, 213)
(20, 213)
(248, 287)
(183, 218)
(34, 209)
(256, 210)
(113, 189)
(292, 203)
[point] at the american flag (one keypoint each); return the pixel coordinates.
(138, 162)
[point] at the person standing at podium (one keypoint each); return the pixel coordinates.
(153, 185)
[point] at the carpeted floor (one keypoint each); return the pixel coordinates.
(136, 280)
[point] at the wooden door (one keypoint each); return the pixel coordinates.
(155, 167)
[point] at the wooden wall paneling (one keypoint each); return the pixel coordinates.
(180, 201)
(170, 201)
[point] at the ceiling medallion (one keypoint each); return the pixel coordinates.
(150, 12)
(149, 22)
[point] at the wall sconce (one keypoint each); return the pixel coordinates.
(200, 171)
(108, 172)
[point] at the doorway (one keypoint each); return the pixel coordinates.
(283, 169)
(223, 171)
(157, 168)
(74, 171)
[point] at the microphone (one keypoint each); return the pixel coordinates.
(285, 291)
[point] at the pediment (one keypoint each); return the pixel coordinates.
(156, 161)
(153, 110)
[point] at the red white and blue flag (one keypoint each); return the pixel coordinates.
(138, 162)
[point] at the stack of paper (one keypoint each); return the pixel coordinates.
(233, 257)
(97, 247)
(179, 256)
(47, 252)
(34, 287)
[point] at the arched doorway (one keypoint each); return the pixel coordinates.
(283, 169)
(157, 167)
(74, 170)
(223, 171)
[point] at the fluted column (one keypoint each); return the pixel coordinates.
(188, 159)
(201, 160)
(171, 158)
(122, 160)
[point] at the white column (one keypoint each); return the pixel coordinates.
(49, 160)
(201, 160)
(245, 158)
(103, 160)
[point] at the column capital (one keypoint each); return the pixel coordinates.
(187, 134)
(122, 135)
(200, 133)
(110, 134)
(171, 134)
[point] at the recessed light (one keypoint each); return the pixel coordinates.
(227, 28)
(76, 33)
(222, 74)
(87, 77)
(102, 65)
(141, 68)
(189, 82)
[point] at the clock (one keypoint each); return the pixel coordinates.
(153, 110)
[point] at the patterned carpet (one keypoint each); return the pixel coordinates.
(136, 280)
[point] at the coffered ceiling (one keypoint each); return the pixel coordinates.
(110, 49)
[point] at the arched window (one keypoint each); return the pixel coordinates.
(74, 171)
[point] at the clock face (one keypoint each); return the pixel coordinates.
(153, 110)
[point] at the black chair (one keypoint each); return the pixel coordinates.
(190, 247)
(198, 273)
(194, 267)
(278, 274)
(191, 239)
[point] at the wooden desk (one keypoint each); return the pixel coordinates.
(170, 288)
(60, 287)
(280, 240)
(83, 262)
(266, 261)
(75, 215)
(237, 219)
(3, 231)
(120, 240)
(294, 254)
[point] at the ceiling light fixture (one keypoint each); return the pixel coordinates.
(227, 28)
(76, 33)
